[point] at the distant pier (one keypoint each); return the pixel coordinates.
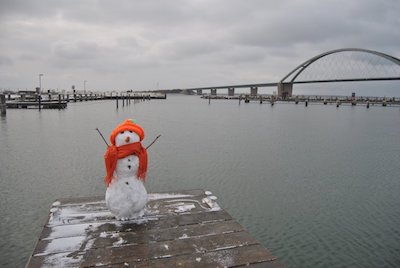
(326, 100)
(32, 100)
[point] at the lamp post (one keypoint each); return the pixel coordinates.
(40, 83)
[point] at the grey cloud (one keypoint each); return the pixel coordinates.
(183, 42)
(5, 60)
(76, 50)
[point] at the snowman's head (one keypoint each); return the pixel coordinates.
(127, 132)
(126, 137)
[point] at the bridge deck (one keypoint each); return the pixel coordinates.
(180, 229)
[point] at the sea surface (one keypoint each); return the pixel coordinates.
(319, 186)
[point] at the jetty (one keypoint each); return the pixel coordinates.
(51, 100)
(179, 229)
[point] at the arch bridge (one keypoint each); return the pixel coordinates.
(340, 65)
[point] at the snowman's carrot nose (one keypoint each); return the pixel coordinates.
(127, 139)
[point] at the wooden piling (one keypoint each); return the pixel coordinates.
(40, 101)
(3, 106)
(59, 101)
(116, 98)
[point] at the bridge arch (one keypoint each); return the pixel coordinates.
(286, 83)
(299, 69)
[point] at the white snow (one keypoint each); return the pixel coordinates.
(71, 230)
(53, 210)
(57, 203)
(211, 204)
(208, 193)
(63, 245)
(167, 196)
(185, 208)
(198, 259)
(62, 260)
(184, 236)
(213, 197)
(166, 247)
(119, 242)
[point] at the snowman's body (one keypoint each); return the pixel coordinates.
(126, 196)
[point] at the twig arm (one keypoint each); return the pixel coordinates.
(102, 136)
(153, 142)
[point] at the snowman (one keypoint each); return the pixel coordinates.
(126, 165)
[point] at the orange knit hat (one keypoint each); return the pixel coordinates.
(129, 125)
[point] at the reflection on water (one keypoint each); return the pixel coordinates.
(318, 185)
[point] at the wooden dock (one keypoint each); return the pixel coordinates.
(179, 229)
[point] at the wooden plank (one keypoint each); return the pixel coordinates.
(99, 239)
(233, 257)
(166, 249)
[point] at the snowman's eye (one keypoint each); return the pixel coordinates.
(130, 131)
(122, 132)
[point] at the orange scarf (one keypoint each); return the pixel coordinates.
(114, 153)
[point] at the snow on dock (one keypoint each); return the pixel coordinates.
(179, 229)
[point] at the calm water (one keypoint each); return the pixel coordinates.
(319, 186)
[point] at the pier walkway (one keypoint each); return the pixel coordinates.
(179, 229)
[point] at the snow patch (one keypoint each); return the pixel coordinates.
(166, 196)
(62, 260)
(184, 236)
(57, 203)
(63, 245)
(185, 208)
(120, 242)
(208, 193)
(71, 230)
(211, 204)
(198, 259)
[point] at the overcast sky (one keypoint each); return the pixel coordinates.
(181, 43)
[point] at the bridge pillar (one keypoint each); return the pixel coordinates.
(285, 90)
(231, 91)
(199, 92)
(214, 91)
(253, 91)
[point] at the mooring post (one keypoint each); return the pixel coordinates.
(261, 99)
(40, 101)
(306, 103)
(240, 98)
(59, 101)
(3, 104)
(116, 97)
(209, 99)
(123, 99)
